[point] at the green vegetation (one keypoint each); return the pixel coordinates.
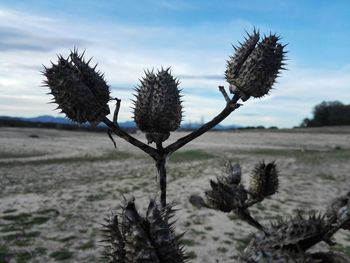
(62, 254)
(115, 155)
(190, 155)
(303, 155)
(7, 155)
(329, 113)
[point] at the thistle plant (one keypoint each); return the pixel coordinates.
(130, 236)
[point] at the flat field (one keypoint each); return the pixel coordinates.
(56, 187)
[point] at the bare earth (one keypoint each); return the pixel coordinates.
(57, 186)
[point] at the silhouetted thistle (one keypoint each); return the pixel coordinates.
(79, 90)
(82, 94)
(142, 239)
(339, 211)
(253, 69)
(158, 109)
(297, 233)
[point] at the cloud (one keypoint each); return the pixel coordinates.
(197, 55)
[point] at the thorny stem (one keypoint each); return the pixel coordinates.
(224, 93)
(160, 154)
(230, 107)
(124, 135)
(160, 164)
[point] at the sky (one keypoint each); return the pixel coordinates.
(194, 38)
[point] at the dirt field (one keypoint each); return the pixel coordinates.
(57, 186)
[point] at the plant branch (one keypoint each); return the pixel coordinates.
(160, 164)
(230, 107)
(224, 93)
(122, 134)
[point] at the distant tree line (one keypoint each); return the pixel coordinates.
(329, 113)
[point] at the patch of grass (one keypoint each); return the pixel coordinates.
(9, 211)
(38, 220)
(191, 255)
(48, 211)
(78, 159)
(95, 197)
(10, 228)
(188, 242)
(66, 239)
(191, 155)
(17, 217)
(340, 248)
(8, 155)
(40, 250)
(209, 228)
(221, 249)
(87, 245)
(241, 243)
(24, 257)
(62, 254)
(304, 155)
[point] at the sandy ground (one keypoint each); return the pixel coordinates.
(57, 186)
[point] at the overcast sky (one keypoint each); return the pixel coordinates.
(193, 37)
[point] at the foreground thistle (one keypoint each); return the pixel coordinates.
(253, 69)
(82, 94)
(158, 109)
(79, 90)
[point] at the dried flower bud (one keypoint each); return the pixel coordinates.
(225, 195)
(274, 256)
(264, 181)
(139, 239)
(328, 257)
(339, 211)
(80, 92)
(255, 66)
(233, 173)
(158, 107)
(297, 234)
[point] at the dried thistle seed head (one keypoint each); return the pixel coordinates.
(264, 181)
(298, 233)
(80, 92)
(114, 243)
(232, 173)
(158, 109)
(328, 257)
(143, 239)
(274, 256)
(252, 71)
(162, 234)
(225, 196)
(339, 211)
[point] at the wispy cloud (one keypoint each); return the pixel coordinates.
(197, 55)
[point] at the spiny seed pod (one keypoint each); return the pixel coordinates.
(138, 246)
(274, 256)
(114, 251)
(80, 92)
(158, 107)
(339, 211)
(253, 69)
(163, 235)
(264, 181)
(328, 257)
(297, 234)
(142, 239)
(225, 195)
(233, 173)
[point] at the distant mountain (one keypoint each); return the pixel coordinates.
(49, 119)
(125, 124)
(190, 126)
